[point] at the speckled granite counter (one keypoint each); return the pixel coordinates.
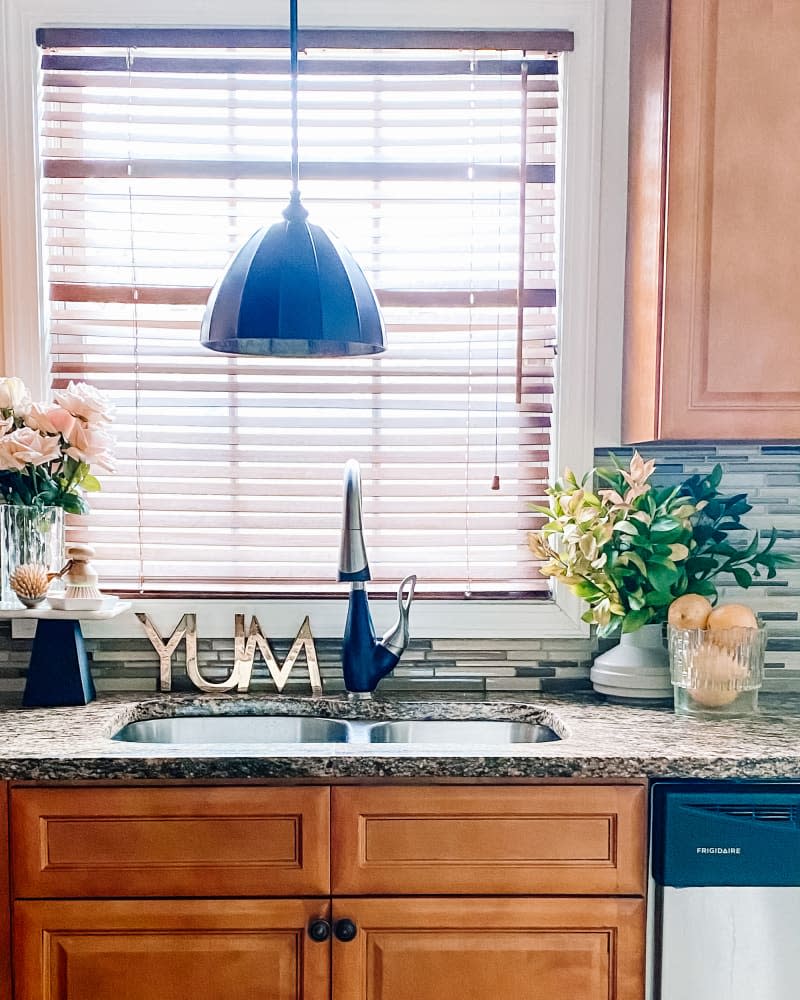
(599, 741)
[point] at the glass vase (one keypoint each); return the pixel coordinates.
(717, 672)
(28, 535)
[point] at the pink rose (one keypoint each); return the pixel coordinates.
(8, 457)
(50, 419)
(84, 401)
(28, 447)
(90, 445)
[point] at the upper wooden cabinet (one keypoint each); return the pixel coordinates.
(712, 321)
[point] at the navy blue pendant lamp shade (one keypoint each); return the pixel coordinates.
(293, 290)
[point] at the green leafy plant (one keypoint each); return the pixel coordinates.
(629, 549)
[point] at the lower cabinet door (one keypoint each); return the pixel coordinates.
(476, 949)
(170, 950)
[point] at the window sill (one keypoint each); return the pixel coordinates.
(281, 618)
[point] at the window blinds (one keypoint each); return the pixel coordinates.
(161, 152)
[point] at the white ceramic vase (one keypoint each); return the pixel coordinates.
(635, 669)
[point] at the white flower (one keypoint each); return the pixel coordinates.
(14, 394)
(91, 445)
(84, 401)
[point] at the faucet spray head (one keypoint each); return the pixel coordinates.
(353, 565)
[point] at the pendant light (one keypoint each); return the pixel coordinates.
(293, 290)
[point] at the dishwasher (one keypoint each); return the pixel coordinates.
(725, 901)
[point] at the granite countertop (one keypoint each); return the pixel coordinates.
(599, 741)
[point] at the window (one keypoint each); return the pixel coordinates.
(161, 152)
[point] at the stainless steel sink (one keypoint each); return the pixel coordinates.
(236, 729)
(467, 731)
(269, 729)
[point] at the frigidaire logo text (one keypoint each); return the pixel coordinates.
(718, 850)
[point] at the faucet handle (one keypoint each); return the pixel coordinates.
(397, 638)
(405, 603)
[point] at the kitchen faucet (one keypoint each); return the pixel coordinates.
(365, 658)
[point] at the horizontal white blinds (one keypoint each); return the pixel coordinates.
(437, 169)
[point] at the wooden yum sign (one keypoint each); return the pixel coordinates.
(246, 642)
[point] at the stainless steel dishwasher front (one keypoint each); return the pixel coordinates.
(726, 882)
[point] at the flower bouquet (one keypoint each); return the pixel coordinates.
(629, 549)
(47, 449)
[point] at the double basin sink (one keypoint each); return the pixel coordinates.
(297, 729)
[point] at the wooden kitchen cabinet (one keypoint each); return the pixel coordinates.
(180, 841)
(502, 840)
(169, 950)
(711, 328)
(5, 900)
(472, 890)
(475, 949)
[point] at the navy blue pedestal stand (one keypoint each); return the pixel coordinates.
(58, 673)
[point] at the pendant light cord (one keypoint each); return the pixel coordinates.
(294, 212)
(293, 68)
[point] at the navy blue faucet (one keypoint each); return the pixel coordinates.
(365, 658)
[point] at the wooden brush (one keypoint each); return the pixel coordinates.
(79, 574)
(30, 582)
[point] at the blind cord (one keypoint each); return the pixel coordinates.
(496, 476)
(468, 462)
(135, 297)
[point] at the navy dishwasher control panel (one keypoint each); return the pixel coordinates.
(726, 833)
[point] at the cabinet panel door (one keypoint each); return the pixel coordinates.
(169, 950)
(430, 840)
(731, 364)
(474, 949)
(5, 902)
(185, 841)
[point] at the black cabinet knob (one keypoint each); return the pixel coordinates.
(345, 930)
(319, 930)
